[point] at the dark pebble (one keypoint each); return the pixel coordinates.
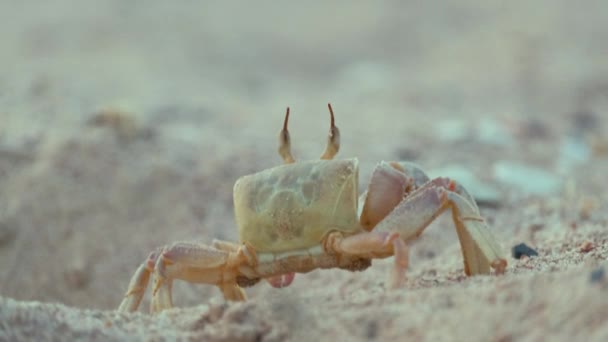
(584, 121)
(8, 232)
(522, 249)
(598, 275)
(372, 330)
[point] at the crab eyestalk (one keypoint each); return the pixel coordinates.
(333, 138)
(285, 142)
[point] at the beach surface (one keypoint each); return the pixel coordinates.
(124, 125)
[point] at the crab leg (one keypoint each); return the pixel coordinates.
(397, 275)
(198, 263)
(277, 281)
(161, 298)
(373, 245)
(192, 262)
(282, 280)
(137, 285)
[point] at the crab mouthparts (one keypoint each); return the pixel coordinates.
(282, 280)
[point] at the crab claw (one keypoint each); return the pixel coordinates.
(282, 280)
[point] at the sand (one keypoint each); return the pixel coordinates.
(123, 127)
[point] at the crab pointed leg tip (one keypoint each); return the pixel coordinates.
(286, 119)
(499, 266)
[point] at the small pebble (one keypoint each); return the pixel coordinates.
(599, 145)
(598, 275)
(372, 329)
(533, 129)
(522, 250)
(407, 153)
(587, 206)
(586, 247)
(8, 232)
(584, 120)
(122, 122)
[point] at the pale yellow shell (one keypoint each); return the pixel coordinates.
(293, 206)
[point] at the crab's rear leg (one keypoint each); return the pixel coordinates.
(199, 263)
(138, 284)
(192, 262)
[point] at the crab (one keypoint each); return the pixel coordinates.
(305, 215)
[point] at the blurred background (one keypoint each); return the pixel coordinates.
(124, 124)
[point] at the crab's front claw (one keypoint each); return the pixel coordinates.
(401, 199)
(411, 216)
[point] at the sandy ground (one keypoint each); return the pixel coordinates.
(510, 100)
